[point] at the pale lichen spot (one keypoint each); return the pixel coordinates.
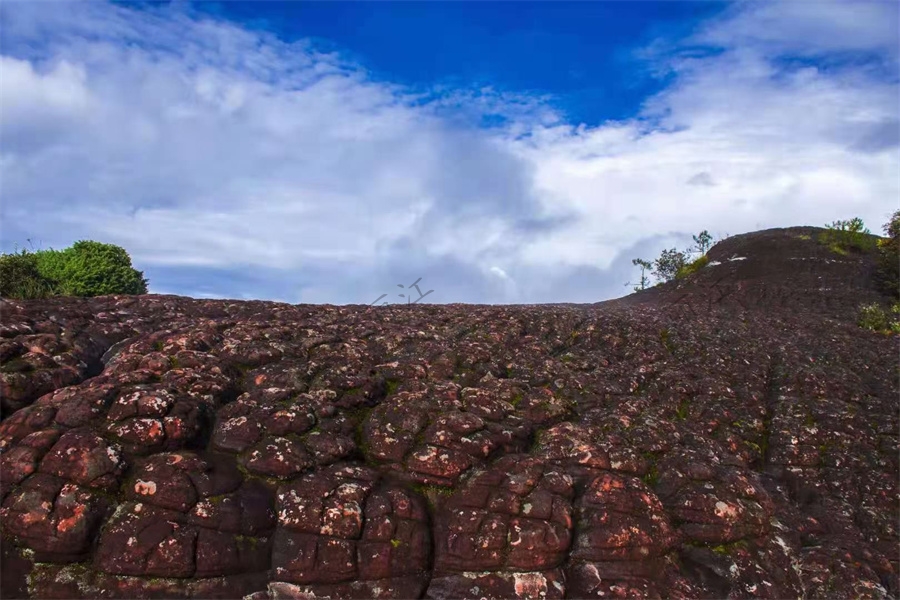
(726, 511)
(530, 585)
(145, 488)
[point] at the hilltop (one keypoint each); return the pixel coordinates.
(785, 270)
(730, 434)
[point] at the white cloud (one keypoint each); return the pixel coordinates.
(30, 95)
(230, 163)
(782, 147)
(807, 28)
(499, 272)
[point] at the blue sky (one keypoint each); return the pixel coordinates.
(581, 54)
(502, 152)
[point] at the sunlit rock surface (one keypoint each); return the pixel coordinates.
(733, 434)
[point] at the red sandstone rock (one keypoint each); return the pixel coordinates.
(733, 434)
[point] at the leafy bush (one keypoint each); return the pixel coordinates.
(843, 237)
(669, 263)
(876, 318)
(92, 269)
(673, 263)
(21, 279)
(888, 274)
(85, 269)
(692, 267)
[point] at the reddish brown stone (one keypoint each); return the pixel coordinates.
(728, 434)
(56, 519)
(86, 459)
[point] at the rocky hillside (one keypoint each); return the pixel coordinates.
(733, 434)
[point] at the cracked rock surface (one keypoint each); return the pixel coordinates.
(730, 435)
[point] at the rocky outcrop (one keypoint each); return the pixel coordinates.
(733, 434)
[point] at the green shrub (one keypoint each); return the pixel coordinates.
(668, 264)
(92, 269)
(21, 279)
(888, 273)
(692, 267)
(673, 264)
(85, 269)
(842, 237)
(52, 266)
(876, 318)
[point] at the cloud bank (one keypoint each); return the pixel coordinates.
(233, 164)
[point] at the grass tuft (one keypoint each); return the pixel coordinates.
(692, 267)
(875, 318)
